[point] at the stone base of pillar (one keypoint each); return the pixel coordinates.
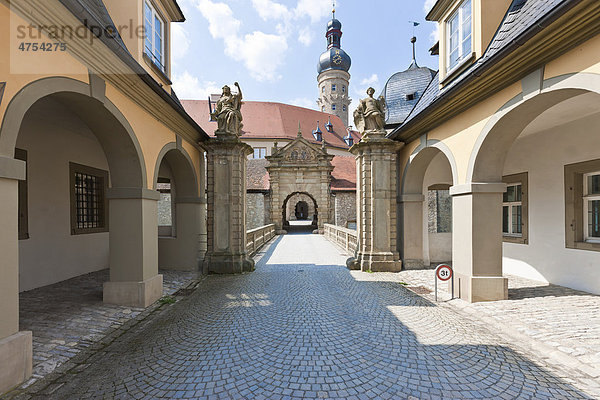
(480, 288)
(413, 265)
(228, 263)
(375, 262)
(16, 353)
(134, 294)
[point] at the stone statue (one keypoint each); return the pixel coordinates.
(228, 112)
(369, 116)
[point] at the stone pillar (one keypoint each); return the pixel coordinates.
(226, 213)
(16, 351)
(376, 212)
(133, 220)
(411, 211)
(203, 228)
(477, 241)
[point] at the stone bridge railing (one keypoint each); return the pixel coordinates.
(343, 237)
(256, 238)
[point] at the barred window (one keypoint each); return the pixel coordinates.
(88, 199)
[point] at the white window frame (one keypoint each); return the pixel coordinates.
(151, 53)
(333, 107)
(458, 14)
(510, 205)
(343, 89)
(586, 199)
(262, 153)
(333, 87)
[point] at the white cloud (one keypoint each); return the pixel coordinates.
(221, 23)
(268, 9)
(188, 86)
(428, 5)
(434, 36)
(180, 42)
(372, 80)
(315, 9)
(303, 102)
(261, 53)
(306, 36)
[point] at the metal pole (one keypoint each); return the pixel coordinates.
(435, 278)
(452, 298)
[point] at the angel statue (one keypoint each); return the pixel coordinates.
(228, 111)
(369, 116)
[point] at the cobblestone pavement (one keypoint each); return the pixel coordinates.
(309, 329)
(69, 316)
(561, 323)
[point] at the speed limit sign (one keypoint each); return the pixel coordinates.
(444, 272)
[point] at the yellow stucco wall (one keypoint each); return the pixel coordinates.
(152, 134)
(461, 132)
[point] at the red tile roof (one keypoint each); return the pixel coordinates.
(343, 177)
(265, 120)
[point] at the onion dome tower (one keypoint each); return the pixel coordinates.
(333, 77)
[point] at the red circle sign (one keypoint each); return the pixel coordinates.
(443, 272)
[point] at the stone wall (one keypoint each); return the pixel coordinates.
(439, 215)
(257, 210)
(345, 208)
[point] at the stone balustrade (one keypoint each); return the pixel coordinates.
(343, 237)
(256, 238)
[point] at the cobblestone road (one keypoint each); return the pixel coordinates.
(310, 330)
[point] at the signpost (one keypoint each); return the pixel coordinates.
(444, 273)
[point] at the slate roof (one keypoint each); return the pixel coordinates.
(521, 16)
(94, 15)
(343, 176)
(266, 120)
(412, 81)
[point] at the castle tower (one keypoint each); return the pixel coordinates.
(333, 77)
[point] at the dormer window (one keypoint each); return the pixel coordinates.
(411, 96)
(154, 44)
(459, 35)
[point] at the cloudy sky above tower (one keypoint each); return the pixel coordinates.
(272, 46)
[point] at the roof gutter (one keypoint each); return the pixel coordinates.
(85, 16)
(492, 61)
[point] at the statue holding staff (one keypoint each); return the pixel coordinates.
(228, 111)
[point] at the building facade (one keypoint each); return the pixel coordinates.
(92, 139)
(506, 129)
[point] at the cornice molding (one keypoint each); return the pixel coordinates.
(568, 31)
(104, 62)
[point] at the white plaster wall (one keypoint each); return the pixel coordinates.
(53, 137)
(543, 155)
(437, 247)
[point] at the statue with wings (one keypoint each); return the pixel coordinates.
(369, 116)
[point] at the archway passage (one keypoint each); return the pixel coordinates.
(426, 209)
(300, 213)
(179, 210)
(531, 200)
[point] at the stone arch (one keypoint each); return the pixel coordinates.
(117, 138)
(183, 168)
(489, 153)
(179, 246)
(414, 204)
(314, 203)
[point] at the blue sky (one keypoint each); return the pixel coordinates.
(271, 47)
